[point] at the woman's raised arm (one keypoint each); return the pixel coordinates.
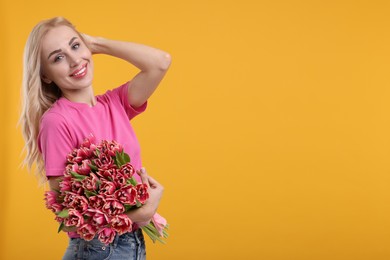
(152, 62)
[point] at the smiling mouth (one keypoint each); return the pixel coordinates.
(80, 72)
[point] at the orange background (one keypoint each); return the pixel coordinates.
(270, 132)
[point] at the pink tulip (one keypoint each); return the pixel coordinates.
(107, 187)
(56, 207)
(65, 184)
(97, 201)
(70, 157)
(89, 141)
(159, 222)
(68, 170)
(74, 219)
(75, 167)
(106, 235)
(127, 170)
(51, 201)
(51, 198)
(98, 217)
(90, 183)
(113, 207)
(75, 201)
(142, 193)
(121, 224)
(84, 168)
(114, 148)
(126, 195)
(84, 153)
(77, 187)
(119, 179)
(104, 161)
(87, 232)
(69, 196)
(107, 173)
(59, 219)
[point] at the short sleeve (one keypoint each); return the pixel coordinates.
(121, 93)
(55, 143)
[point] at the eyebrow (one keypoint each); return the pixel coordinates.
(72, 40)
(59, 50)
(54, 52)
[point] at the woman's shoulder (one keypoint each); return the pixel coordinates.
(55, 115)
(53, 126)
(52, 121)
(114, 94)
(63, 108)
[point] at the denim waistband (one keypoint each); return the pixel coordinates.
(135, 227)
(130, 245)
(136, 234)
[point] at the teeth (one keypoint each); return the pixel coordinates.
(80, 71)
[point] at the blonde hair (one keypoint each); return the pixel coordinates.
(37, 96)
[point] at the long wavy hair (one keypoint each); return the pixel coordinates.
(37, 96)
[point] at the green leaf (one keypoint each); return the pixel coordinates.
(117, 163)
(90, 193)
(78, 176)
(160, 240)
(60, 227)
(132, 181)
(128, 207)
(119, 159)
(93, 167)
(151, 233)
(63, 214)
(126, 157)
(122, 156)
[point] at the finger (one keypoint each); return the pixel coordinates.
(144, 176)
(153, 182)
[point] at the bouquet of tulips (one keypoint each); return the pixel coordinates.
(97, 190)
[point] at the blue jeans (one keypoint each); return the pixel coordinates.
(129, 246)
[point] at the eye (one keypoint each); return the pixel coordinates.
(76, 46)
(58, 58)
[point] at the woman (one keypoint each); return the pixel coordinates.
(60, 110)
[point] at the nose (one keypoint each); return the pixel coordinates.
(74, 60)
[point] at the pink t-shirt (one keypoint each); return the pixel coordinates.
(66, 124)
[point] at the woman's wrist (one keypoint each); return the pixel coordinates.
(142, 214)
(94, 44)
(100, 45)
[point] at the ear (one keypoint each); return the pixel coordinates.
(46, 79)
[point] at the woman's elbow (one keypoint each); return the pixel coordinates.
(165, 61)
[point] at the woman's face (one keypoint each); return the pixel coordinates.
(66, 60)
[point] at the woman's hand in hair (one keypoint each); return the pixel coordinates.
(91, 43)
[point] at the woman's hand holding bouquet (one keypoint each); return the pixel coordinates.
(99, 196)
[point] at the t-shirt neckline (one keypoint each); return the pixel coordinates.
(80, 105)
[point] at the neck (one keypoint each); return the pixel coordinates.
(81, 96)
